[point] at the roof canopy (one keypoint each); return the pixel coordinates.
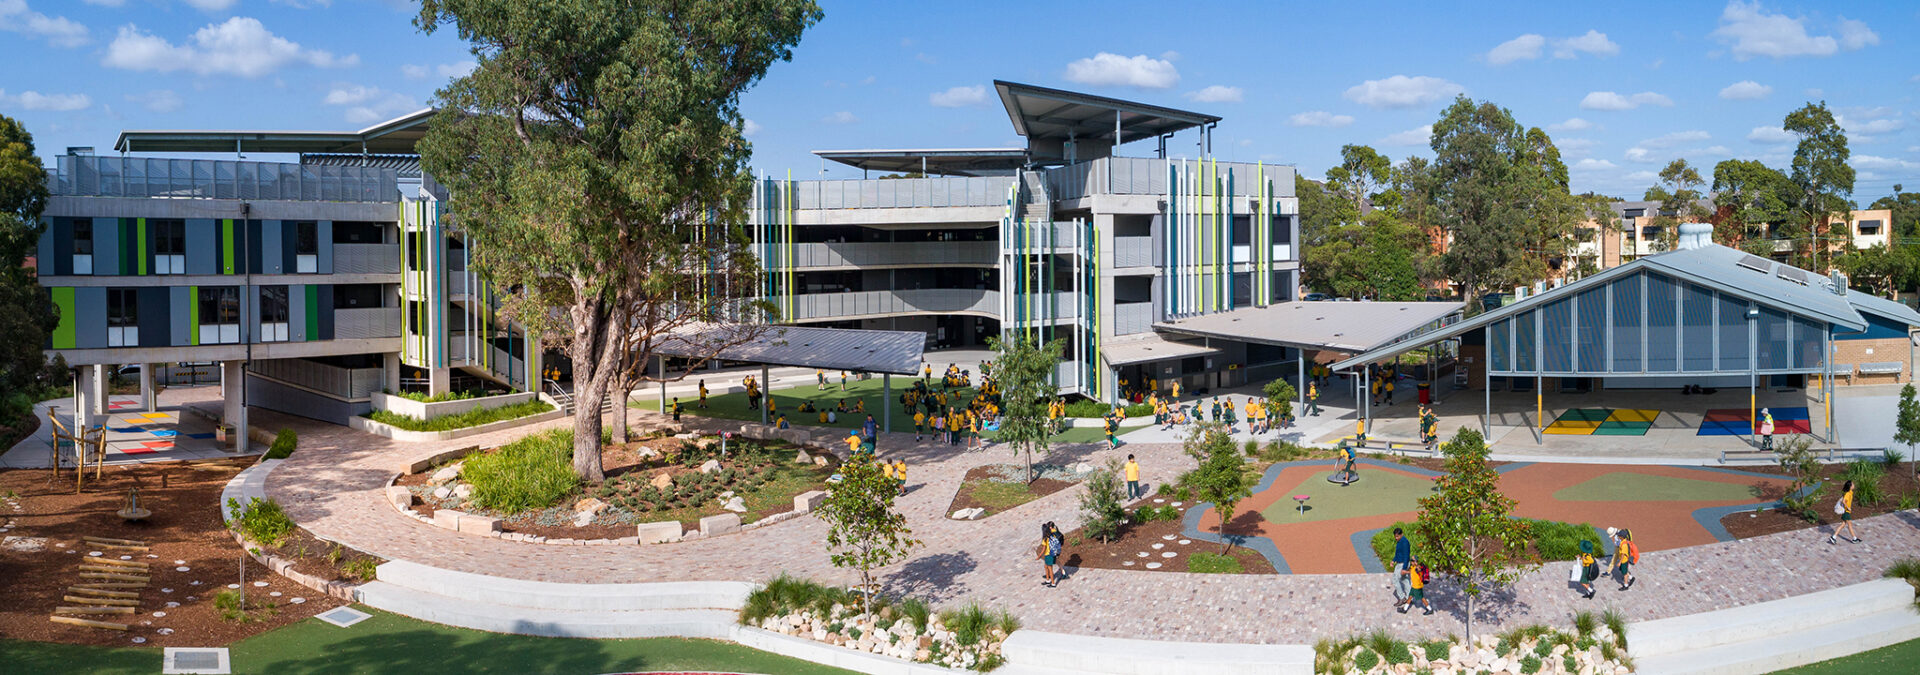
(1040, 113)
(934, 161)
(1149, 348)
(395, 136)
(871, 351)
(1338, 326)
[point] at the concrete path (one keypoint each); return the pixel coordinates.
(333, 485)
(134, 436)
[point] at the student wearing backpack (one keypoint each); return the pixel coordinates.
(1418, 575)
(1844, 508)
(1626, 554)
(1589, 569)
(1050, 544)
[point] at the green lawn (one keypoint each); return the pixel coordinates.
(1889, 659)
(734, 406)
(389, 643)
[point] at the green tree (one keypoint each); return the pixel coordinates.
(27, 316)
(1101, 510)
(1824, 179)
(597, 150)
(1024, 371)
(1223, 477)
(1679, 201)
(1906, 212)
(1882, 269)
(1361, 174)
(1753, 200)
(864, 531)
(1468, 525)
(1280, 390)
(1500, 190)
(1906, 428)
(1318, 210)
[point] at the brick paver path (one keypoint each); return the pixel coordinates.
(332, 486)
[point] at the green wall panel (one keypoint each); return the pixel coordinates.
(193, 315)
(313, 313)
(64, 334)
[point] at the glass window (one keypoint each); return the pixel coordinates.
(1869, 227)
(219, 305)
(169, 246)
(273, 304)
(83, 236)
(306, 238)
(123, 317)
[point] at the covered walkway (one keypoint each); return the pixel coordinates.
(887, 352)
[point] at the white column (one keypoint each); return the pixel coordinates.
(231, 375)
(83, 400)
(439, 381)
(147, 390)
(390, 371)
(98, 393)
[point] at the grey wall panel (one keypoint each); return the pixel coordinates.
(273, 256)
(273, 395)
(178, 308)
(203, 246)
(62, 231)
(297, 313)
(106, 246)
(90, 313)
(324, 234)
(45, 253)
(154, 317)
(250, 308)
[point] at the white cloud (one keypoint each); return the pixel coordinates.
(1856, 35)
(1401, 91)
(1872, 162)
(1594, 42)
(1418, 136)
(1572, 124)
(366, 105)
(1769, 135)
(59, 31)
(1751, 32)
(1714, 151)
(1640, 155)
(1879, 126)
(1592, 165)
(1523, 48)
(958, 97)
(1320, 118)
(304, 4)
(749, 128)
(212, 5)
(842, 117)
(1217, 94)
(33, 100)
(1575, 147)
(1607, 100)
(158, 100)
(1642, 176)
(414, 71)
(240, 46)
(1676, 138)
(107, 3)
(1107, 69)
(1745, 90)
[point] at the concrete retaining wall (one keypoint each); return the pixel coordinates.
(401, 405)
(398, 434)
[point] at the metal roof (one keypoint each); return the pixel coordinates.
(871, 351)
(1340, 326)
(395, 136)
(1055, 114)
(405, 166)
(1146, 348)
(934, 161)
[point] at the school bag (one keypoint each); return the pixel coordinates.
(1633, 552)
(1840, 506)
(1426, 573)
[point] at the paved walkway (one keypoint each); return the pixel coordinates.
(333, 485)
(133, 435)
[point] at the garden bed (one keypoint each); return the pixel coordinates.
(968, 638)
(1896, 484)
(185, 531)
(998, 487)
(1139, 537)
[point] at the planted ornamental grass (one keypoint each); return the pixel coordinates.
(534, 472)
(471, 418)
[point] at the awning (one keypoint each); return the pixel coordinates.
(1149, 348)
(934, 161)
(869, 351)
(1338, 326)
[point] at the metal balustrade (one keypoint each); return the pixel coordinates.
(366, 322)
(366, 258)
(871, 254)
(901, 193)
(1136, 252)
(346, 383)
(867, 303)
(1132, 318)
(92, 176)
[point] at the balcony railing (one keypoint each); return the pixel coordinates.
(1063, 305)
(1132, 318)
(880, 254)
(366, 322)
(89, 176)
(366, 258)
(1148, 176)
(899, 193)
(345, 383)
(869, 303)
(1132, 251)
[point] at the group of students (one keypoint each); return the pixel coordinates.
(1626, 554)
(1263, 414)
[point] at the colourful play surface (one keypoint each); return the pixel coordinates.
(1739, 422)
(1603, 422)
(1665, 506)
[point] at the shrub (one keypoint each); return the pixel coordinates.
(440, 398)
(1213, 563)
(1553, 540)
(471, 418)
(1138, 410)
(1798, 459)
(1617, 623)
(1100, 505)
(284, 444)
(1892, 458)
(1366, 660)
(1585, 622)
(1437, 650)
(1910, 501)
(1401, 653)
(1905, 568)
(1866, 477)
(968, 624)
(1530, 665)
(260, 520)
(1283, 451)
(917, 611)
(363, 569)
(533, 472)
(989, 662)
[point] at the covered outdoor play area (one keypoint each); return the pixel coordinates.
(1678, 351)
(832, 350)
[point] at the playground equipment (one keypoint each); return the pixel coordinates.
(132, 511)
(89, 443)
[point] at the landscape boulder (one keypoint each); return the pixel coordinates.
(736, 505)
(463, 491)
(401, 497)
(590, 505)
(720, 524)
(806, 502)
(446, 473)
(475, 524)
(655, 533)
(662, 481)
(710, 466)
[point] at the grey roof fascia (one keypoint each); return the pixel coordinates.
(1810, 301)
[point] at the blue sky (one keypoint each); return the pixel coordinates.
(1622, 87)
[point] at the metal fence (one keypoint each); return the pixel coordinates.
(1132, 318)
(902, 192)
(366, 258)
(894, 253)
(1134, 252)
(868, 303)
(367, 322)
(90, 176)
(344, 383)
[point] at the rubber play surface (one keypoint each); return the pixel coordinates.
(1739, 422)
(1603, 422)
(1665, 506)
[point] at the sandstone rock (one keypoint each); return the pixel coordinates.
(446, 473)
(1083, 467)
(821, 461)
(401, 497)
(442, 492)
(447, 518)
(463, 491)
(662, 481)
(806, 502)
(801, 457)
(710, 466)
(922, 655)
(707, 443)
(720, 524)
(655, 533)
(736, 505)
(475, 524)
(582, 519)
(590, 505)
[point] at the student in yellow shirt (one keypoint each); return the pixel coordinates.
(821, 375)
(1589, 569)
(900, 474)
(919, 424)
(703, 393)
(853, 443)
(1845, 508)
(1417, 576)
(1133, 478)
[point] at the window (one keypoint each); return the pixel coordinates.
(82, 246)
(169, 246)
(1869, 227)
(219, 314)
(1650, 232)
(306, 248)
(123, 317)
(273, 313)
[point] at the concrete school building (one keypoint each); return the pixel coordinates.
(314, 283)
(1063, 238)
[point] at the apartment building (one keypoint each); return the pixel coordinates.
(1062, 238)
(314, 283)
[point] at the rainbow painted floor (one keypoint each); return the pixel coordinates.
(1603, 422)
(1739, 422)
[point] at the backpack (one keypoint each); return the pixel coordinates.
(1426, 573)
(1840, 505)
(1054, 544)
(1633, 552)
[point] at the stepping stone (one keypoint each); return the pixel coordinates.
(171, 605)
(297, 600)
(165, 631)
(95, 554)
(68, 550)
(1178, 503)
(1168, 554)
(259, 584)
(1153, 566)
(274, 594)
(179, 562)
(166, 590)
(233, 585)
(184, 569)
(1184, 542)
(1158, 546)
(1141, 554)
(139, 640)
(1128, 563)
(192, 583)
(126, 557)
(1168, 537)
(157, 615)
(150, 555)
(1158, 500)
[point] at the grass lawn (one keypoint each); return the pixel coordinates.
(734, 406)
(1889, 659)
(1213, 563)
(389, 643)
(998, 496)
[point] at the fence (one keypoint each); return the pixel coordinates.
(88, 176)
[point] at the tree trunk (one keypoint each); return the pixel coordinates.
(594, 360)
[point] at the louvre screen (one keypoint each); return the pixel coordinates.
(1627, 329)
(1556, 330)
(1499, 344)
(1696, 329)
(1807, 358)
(1663, 349)
(1776, 340)
(1590, 320)
(1733, 334)
(1524, 326)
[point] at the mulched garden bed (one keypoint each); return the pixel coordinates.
(1897, 482)
(998, 487)
(1139, 538)
(185, 531)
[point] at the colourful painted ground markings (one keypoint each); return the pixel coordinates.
(1739, 422)
(1622, 486)
(1377, 493)
(1603, 422)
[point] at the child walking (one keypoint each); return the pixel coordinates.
(1844, 507)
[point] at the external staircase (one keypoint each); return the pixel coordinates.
(1770, 636)
(706, 609)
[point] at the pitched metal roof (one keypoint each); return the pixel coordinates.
(935, 161)
(394, 136)
(871, 351)
(1150, 347)
(405, 166)
(1340, 326)
(1056, 114)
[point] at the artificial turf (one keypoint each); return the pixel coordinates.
(734, 406)
(1627, 486)
(388, 643)
(1896, 658)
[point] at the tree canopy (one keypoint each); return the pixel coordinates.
(1679, 201)
(1023, 368)
(27, 316)
(1824, 179)
(1499, 189)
